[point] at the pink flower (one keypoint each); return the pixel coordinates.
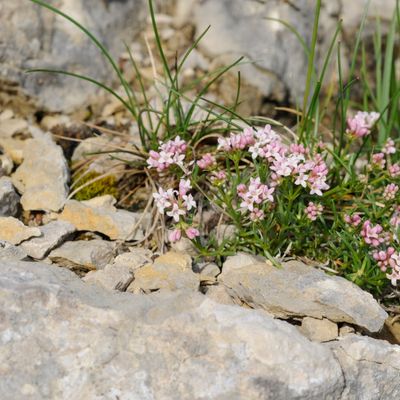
(389, 148)
(372, 234)
(184, 186)
(384, 258)
(176, 212)
(191, 233)
(390, 192)
(313, 210)
(175, 235)
(394, 276)
(361, 124)
(164, 199)
(206, 161)
(394, 170)
(257, 215)
(255, 193)
(237, 141)
(188, 201)
(378, 160)
(354, 219)
(169, 153)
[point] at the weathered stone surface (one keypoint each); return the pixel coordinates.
(34, 37)
(119, 274)
(10, 252)
(42, 177)
(298, 290)
(6, 164)
(116, 224)
(14, 231)
(319, 330)
(171, 271)
(52, 234)
(112, 277)
(9, 199)
(371, 368)
(88, 343)
(83, 254)
(219, 294)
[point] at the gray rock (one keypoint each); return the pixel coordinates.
(371, 368)
(34, 37)
(83, 255)
(319, 330)
(169, 272)
(10, 252)
(219, 294)
(9, 199)
(14, 231)
(87, 343)
(120, 274)
(112, 277)
(114, 223)
(42, 177)
(53, 234)
(298, 290)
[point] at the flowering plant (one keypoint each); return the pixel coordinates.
(291, 198)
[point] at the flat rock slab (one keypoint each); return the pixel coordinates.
(298, 290)
(89, 343)
(9, 199)
(52, 234)
(14, 231)
(83, 255)
(371, 367)
(43, 175)
(116, 224)
(120, 273)
(170, 271)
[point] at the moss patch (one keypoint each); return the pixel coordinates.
(106, 185)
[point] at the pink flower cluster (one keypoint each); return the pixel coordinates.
(389, 147)
(361, 124)
(237, 141)
(206, 161)
(390, 191)
(284, 160)
(389, 258)
(176, 202)
(253, 196)
(313, 211)
(169, 153)
(372, 234)
(353, 220)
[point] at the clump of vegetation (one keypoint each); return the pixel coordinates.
(326, 192)
(91, 186)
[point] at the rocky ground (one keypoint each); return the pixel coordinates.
(92, 308)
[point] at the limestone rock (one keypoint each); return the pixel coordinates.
(116, 224)
(6, 164)
(10, 252)
(52, 234)
(83, 254)
(14, 231)
(88, 343)
(119, 274)
(34, 37)
(9, 199)
(42, 177)
(219, 294)
(298, 290)
(371, 367)
(170, 271)
(319, 330)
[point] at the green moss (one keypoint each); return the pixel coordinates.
(106, 185)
